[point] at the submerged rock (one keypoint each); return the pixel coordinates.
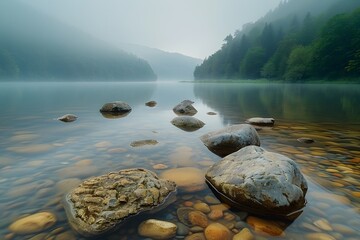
(157, 229)
(185, 108)
(68, 118)
(187, 123)
(230, 139)
(259, 181)
(100, 204)
(34, 223)
(141, 143)
(261, 121)
(115, 109)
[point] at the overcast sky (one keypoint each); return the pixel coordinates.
(191, 27)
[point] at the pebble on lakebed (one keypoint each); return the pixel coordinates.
(33, 223)
(157, 229)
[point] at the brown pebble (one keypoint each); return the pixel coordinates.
(215, 214)
(188, 204)
(217, 231)
(244, 234)
(198, 218)
(202, 207)
(265, 226)
(196, 236)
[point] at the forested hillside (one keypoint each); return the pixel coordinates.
(299, 40)
(35, 46)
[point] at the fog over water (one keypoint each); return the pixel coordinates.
(194, 28)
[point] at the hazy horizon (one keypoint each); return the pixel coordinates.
(193, 28)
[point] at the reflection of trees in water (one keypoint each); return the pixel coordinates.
(304, 102)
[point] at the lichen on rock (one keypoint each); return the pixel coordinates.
(99, 204)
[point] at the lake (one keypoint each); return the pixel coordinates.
(41, 156)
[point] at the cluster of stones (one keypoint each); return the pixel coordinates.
(208, 219)
(251, 178)
(101, 203)
(185, 120)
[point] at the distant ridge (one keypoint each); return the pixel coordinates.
(166, 65)
(38, 47)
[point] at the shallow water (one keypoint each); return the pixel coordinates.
(38, 152)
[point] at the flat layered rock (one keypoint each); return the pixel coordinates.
(260, 181)
(100, 204)
(230, 139)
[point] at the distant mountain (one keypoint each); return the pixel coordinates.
(299, 40)
(166, 65)
(38, 47)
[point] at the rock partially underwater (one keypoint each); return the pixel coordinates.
(115, 109)
(68, 118)
(259, 181)
(230, 139)
(185, 108)
(100, 204)
(187, 123)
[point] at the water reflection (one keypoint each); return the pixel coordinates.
(299, 102)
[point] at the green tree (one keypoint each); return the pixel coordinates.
(299, 63)
(253, 62)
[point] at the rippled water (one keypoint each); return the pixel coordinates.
(38, 153)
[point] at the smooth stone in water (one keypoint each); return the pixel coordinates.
(115, 109)
(261, 121)
(202, 207)
(217, 231)
(198, 218)
(68, 118)
(34, 223)
(230, 139)
(187, 123)
(260, 181)
(196, 236)
(244, 234)
(157, 229)
(151, 103)
(141, 143)
(265, 226)
(182, 229)
(185, 108)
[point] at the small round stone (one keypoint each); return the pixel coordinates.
(202, 207)
(198, 218)
(157, 229)
(34, 223)
(217, 231)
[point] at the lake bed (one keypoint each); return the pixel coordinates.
(41, 157)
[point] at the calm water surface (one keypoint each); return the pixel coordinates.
(38, 153)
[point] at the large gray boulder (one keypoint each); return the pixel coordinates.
(259, 181)
(230, 139)
(187, 123)
(100, 204)
(185, 108)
